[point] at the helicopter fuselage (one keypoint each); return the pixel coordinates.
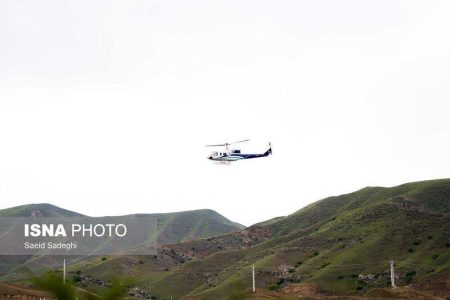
(236, 155)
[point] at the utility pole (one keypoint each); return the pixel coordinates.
(392, 275)
(64, 272)
(253, 276)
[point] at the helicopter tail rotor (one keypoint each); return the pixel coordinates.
(269, 151)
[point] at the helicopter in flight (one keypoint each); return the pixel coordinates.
(229, 155)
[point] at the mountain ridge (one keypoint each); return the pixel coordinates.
(340, 245)
(172, 227)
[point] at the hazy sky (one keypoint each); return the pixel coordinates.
(105, 106)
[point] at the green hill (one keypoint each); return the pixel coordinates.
(337, 246)
(172, 228)
(37, 210)
(186, 225)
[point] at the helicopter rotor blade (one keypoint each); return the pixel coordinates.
(227, 144)
(240, 141)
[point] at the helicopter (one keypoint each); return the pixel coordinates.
(228, 155)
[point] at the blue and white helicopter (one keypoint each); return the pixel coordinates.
(228, 155)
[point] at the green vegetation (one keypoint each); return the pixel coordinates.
(172, 228)
(42, 209)
(341, 244)
(53, 283)
(333, 241)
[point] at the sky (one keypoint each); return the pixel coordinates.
(105, 106)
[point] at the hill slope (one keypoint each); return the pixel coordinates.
(172, 228)
(341, 245)
(38, 210)
(186, 225)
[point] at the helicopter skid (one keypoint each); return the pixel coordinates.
(222, 162)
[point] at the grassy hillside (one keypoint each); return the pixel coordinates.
(186, 225)
(8, 291)
(37, 210)
(339, 245)
(172, 228)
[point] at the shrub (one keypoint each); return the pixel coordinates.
(103, 258)
(417, 243)
(410, 250)
(435, 256)
(274, 287)
(54, 285)
(409, 276)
